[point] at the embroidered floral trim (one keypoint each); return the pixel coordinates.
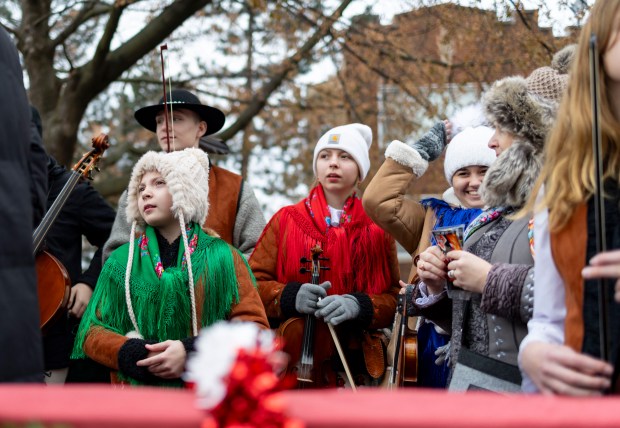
(485, 217)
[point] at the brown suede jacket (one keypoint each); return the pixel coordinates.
(380, 307)
(360, 338)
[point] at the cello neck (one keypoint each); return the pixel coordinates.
(39, 234)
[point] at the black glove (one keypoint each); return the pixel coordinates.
(432, 143)
(132, 351)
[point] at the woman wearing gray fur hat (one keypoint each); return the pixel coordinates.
(496, 267)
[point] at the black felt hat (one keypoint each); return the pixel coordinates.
(181, 98)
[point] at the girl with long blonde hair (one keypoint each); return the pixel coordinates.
(561, 352)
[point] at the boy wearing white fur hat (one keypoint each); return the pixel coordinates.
(358, 293)
(155, 292)
(410, 222)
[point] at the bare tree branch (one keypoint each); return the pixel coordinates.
(103, 47)
(287, 67)
(86, 13)
(526, 22)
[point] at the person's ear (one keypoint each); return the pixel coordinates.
(202, 128)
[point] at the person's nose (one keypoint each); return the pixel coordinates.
(146, 194)
(333, 161)
(493, 142)
(476, 180)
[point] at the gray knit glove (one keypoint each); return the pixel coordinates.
(432, 143)
(336, 309)
(308, 296)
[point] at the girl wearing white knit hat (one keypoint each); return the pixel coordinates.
(359, 289)
(410, 222)
(155, 292)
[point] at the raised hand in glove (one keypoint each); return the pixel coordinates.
(308, 296)
(337, 309)
(432, 143)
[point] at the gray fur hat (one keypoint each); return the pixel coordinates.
(510, 106)
(525, 108)
(187, 175)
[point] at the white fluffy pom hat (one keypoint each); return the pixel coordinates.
(186, 173)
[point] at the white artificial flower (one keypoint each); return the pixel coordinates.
(217, 348)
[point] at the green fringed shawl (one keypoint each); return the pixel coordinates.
(162, 306)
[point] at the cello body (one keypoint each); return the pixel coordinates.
(53, 282)
(53, 287)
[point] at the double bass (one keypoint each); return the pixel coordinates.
(308, 342)
(53, 282)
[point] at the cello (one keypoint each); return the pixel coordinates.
(310, 358)
(53, 282)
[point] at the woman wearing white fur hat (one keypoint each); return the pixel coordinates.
(410, 222)
(155, 292)
(358, 293)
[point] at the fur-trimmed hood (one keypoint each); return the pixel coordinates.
(511, 107)
(186, 173)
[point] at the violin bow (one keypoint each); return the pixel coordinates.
(342, 357)
(599, 200)
(162, 48)
(316, 269)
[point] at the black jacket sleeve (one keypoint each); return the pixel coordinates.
(38, 175)
(96, 224)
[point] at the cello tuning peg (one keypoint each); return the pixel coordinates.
(304, 260)
(304, 270)
(323, 258)
(324, 268)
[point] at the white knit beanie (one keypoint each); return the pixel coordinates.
(468, 148)
(186, 173)
(354, 138)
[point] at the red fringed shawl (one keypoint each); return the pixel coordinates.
(358, 250)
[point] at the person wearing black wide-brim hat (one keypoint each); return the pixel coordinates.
(182, 99)
(235, 214)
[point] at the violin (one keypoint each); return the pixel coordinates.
(404, 364)
(309, 344)
(53, 282)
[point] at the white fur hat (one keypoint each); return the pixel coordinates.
(469, 147)
(354, 138)
(186, 173)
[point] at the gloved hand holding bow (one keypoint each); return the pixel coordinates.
(337, 309)
(308, 297)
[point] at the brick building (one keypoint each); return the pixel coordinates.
(403, 77)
